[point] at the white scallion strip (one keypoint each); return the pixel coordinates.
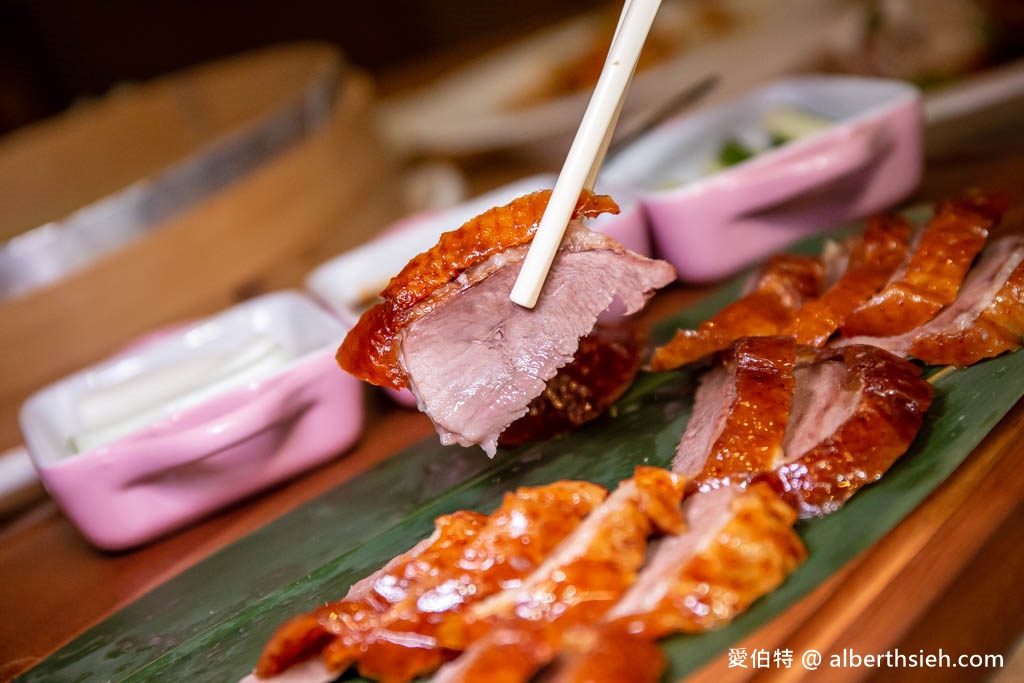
(115, 411)
(791, 123)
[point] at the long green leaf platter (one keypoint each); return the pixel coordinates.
(210, 622)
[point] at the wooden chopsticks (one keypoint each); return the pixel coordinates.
(588, 147)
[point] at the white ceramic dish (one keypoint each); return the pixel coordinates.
(708, 226)
(193, 419)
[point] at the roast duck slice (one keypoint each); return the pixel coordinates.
(447, 330)
(783, 284)
(739, 545)
(513, 606)
(872, 262)
(386, 620)
(580, 581)
(855, 411)
(917, 298)
(985, 320)
(933, 275)
(815, 425)
(740, 414)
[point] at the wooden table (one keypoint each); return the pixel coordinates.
(946, 577)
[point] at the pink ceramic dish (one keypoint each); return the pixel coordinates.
(868, 157)
(349, 282)
(283, 408)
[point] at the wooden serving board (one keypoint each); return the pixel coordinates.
(211, 621)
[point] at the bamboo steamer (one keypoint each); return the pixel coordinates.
(295, 175)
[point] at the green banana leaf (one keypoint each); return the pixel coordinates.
(211, 622)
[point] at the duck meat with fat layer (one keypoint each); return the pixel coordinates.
(475, 360)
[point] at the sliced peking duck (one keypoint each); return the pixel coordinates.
(854, 412)
(578, 583)
(740, 413)
(739, 545)
(447, 330)
(780, 288)
(985, 320)
(816, 425)
(933, 275)
(385, 622)
(872, 262)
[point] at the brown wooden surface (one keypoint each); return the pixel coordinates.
(947, 576)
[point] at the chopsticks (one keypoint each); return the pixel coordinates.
(588, 147)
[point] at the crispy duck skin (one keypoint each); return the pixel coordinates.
(996, 329)
(985, 320)
(305, 636)
(589, 654)
(782, 286)
(750, 440)
(891, 400)
(604, 654)
(510, 655)
(577, 584)
(872, 262)
(695, 585)
(739, 545)
(370, 350)
(954, 236)
(468, 557)
(587, 573)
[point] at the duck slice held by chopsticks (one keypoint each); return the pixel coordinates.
(447, 330)
(605, 365)
(932, 277)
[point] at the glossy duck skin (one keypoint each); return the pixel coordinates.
(605, 654)
(985, 320)
(996, 330)
(737, 547)
(953, 238)
(370, 350)
(750, 440)
(873, 261)
(589, 654)
(740, 546)
(781, 288)
(468, 557)
(305, 635)
(891, 400)
(578, 583)
(591, 568)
